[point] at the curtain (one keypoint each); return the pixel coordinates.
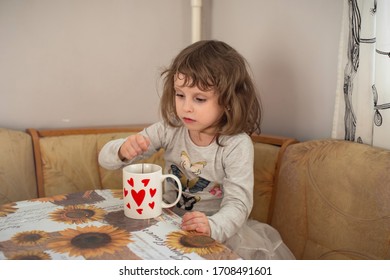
(362, 108)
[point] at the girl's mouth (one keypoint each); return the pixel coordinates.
(188, 120)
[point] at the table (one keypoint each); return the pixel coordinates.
(92, 225)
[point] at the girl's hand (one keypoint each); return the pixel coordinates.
(134, 145)
(197, 221)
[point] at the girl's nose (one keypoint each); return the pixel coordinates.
(187, 105)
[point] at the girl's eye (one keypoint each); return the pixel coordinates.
(180, 95)
(200, 100)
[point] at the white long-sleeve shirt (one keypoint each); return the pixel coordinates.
(216, 180)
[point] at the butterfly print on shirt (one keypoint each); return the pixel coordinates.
(194, 185)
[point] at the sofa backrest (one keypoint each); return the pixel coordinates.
(67, 161)
(268, 151)
(17, 172)
(332, 200)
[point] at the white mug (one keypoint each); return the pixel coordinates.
(143, 189)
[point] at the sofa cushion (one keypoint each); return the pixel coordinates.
(332, 200)
(17, 172)
(69, 164)
(266, 157)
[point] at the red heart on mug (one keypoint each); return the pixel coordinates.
(151, 205)
(138, 196)
(139, 210)
(125, 192)
(128, 205)
(152, 192)
(145, 182)
(131, 182)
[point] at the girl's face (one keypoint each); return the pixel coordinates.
(198, 110)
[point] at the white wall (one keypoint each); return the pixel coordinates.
(97, 62)
(292, 47)
(72, 63)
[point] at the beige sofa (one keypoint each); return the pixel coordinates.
(327, 198)
(17, 171)
(333, 200)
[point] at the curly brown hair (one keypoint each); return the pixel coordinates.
(214, 65)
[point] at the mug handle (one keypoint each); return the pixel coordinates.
(165, 176)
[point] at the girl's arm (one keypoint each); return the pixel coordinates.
(109, 156)
(238, 183)
(120, 152)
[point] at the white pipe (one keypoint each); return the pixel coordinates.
(196, 20)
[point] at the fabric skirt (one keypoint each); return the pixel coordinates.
(259, 241)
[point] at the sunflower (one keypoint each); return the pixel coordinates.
(50, 198)
(117, 193)
(193, 242)
(90, 241)
(31, 255)
(6, 209)
(77, 214)
(30, 238)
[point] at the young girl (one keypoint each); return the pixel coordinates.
(209, 110)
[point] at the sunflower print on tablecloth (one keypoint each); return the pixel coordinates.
(7, 209)
(117, 193)
(91, 241)
(31, 255)
(30, 238)
(192, 242)
(77, 214)
(52, 199)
